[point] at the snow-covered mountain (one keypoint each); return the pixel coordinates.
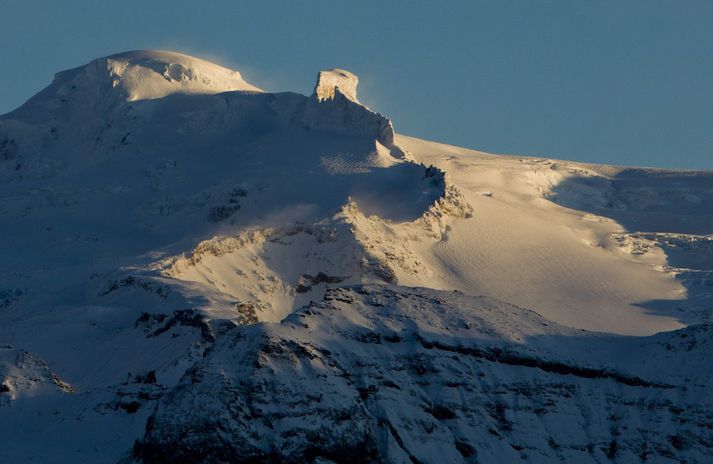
(195, 270)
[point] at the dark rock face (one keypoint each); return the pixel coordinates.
(251, 425)
(134, 282)
(375, 374)
(8, 149)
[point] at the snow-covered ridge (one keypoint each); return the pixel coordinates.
(413, 375)
(275, 270)
(140, 75)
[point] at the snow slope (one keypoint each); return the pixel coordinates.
(555, 237)
(194, 269)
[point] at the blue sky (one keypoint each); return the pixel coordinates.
(622, 82)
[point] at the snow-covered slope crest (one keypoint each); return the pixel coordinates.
(138, 75)
(273, 271)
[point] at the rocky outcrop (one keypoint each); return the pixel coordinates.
(23, 374)
(336, 80)
(334, 106)
(452, 204)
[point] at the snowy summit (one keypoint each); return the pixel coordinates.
(195, 270)
(336, 80)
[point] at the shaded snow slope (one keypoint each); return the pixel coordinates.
(168, 227)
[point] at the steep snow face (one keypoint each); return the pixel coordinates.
(336, 80)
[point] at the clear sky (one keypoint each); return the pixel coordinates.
(622, 82)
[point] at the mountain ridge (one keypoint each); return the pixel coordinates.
(174, 236)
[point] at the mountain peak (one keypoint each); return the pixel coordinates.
(332, 80)
(137, 75)
(149, 74)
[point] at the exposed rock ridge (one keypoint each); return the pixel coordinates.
(24, 374)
